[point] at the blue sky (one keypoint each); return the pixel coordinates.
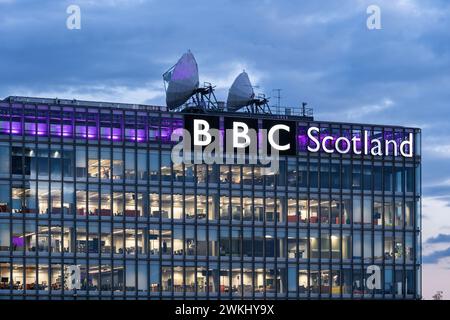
(316, 51)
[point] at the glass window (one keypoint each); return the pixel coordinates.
(377, 178)
(324, 175)
(4, 160)
(236, 234)
(257, 244)
(313, 211)
(55, 163)
(346, 176)
(166, 167)
(388, 178)
(399, 214)
(378, 246)
(292, 216)
(166, 206)
(202, 244)
(154, 165)
(130, 205)
(17, 239)
(409, 247)
(154, 243)
(356, 245)
(142, 165)
(43, 162)
(356, 177)
(130, 171)
(118, 203)
(313, 175)
(93, 163)
(346, 245)
(303, 286)
(303, 250)
(155, 211)
(368, 210)
(388, 248)
(117, 165)
(356, 210)
(347, 211)
(378, 212)
(388, 213)
(189, 241)
(224, 208)
(399, 249)
(399, 179)
(80, 163)
(93, 202)
(130, 241)
(409, 214)
(302, 174)
(202, 207)
(213, 241)
(303, 210)
(43, 197)
(325, 245)
(335, 178)
(292, 172)
(324, 211)
(166, 241)
(4, 236)
(258, 209)
(388, 281)
(367, 246)
(105, 164)
(314, 244)
(335, 246)
(367, 177)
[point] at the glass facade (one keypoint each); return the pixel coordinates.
(91, 206)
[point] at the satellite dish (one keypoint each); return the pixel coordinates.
(241, 93)
(182, 81)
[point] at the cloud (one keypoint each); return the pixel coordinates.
(440, 238)
(120, 94)
(438, 150)
(436, 256)
(359, 112)
(111, 2)
(438, 216)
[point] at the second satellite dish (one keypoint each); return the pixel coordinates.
(241, 93)
(182, 80)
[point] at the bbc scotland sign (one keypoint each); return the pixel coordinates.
(244, 135)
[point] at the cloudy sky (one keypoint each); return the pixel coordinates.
(316, 51)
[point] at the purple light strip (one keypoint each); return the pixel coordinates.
(86, 132)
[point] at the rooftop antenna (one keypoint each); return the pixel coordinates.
(304, 104)
(278, 97)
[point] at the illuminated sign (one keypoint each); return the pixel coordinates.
(252, 136)
(364, 145)
(243, 134)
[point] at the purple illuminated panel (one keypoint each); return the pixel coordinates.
(41, 129)
(18, 241)
(87, 128)
(116, 134)
(302, 139)
(16, 128)
(67, 130)
(91, 132)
